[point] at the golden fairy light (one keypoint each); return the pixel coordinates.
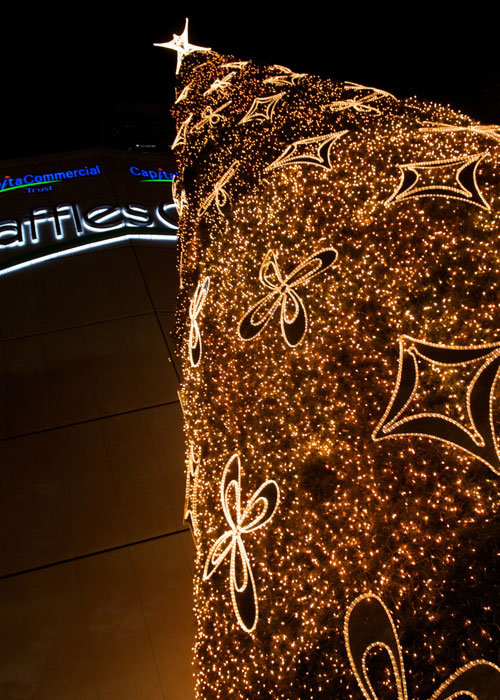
(405, 197)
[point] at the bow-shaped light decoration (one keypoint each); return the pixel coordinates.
(368, 625)
(195, 307)
(210, 116)
(293, 315)
(257, 513)
(219, 196)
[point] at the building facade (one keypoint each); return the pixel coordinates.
(95, 563)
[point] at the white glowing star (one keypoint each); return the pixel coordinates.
(180, 43)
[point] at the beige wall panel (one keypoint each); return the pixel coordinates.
(24, 386)
(186, 540)
(71, 291)
(93, 517)
(125, 666)
(83, 373)
(43, 645)
(85, 488)
(149, 503)
(165, 424)
(164, 579)
(70, 363)
(33, 504)
(132, 366)
(158, 265)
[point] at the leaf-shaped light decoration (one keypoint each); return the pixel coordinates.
(262, 109)
(454, 178)
(257, 513)
(293, 314)
(316, 151)
(359, 99)
(479, 437)
(191, 495)
(368, 625)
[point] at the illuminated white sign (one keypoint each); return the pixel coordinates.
(66, 229)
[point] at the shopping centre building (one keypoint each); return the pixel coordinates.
(96, 561)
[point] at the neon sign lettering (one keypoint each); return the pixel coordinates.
(65, 229)
(28, 180)
(152, 175)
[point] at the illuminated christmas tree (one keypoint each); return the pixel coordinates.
(340, 321)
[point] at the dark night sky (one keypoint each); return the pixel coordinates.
(64, 74)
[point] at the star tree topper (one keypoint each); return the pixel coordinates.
(180, 43)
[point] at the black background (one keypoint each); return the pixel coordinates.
(68, 76)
